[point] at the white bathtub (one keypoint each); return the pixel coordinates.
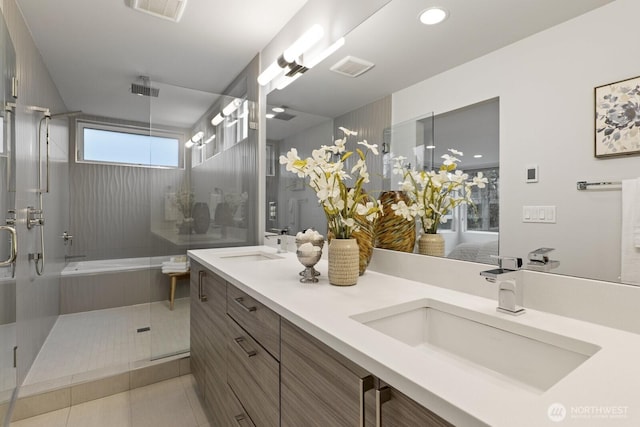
(112, 265)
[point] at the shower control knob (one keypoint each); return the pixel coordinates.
(11, 217)
(67, 237)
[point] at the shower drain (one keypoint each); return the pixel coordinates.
(145, 329)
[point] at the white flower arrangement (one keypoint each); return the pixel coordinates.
(433, 194)
(327, 178)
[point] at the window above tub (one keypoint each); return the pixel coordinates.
(110, 143)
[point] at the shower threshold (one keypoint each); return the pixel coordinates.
(103, 342)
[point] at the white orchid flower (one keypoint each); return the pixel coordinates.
(480, 180)
(372, 147)
(340, 145)
(455, 152)
(348, 132)
(449, 159)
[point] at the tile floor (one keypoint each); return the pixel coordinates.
(170, 403)
(98, 339)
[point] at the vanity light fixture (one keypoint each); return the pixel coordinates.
(325, 53)
(231, 107)
(289, 57)
(226, 111)
(433, 15)
(217, 119)
(306, 41)
(195, 139)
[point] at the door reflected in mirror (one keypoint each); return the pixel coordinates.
(471, 135)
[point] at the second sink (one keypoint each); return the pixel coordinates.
(528, 357)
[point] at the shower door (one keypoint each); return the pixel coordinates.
(208, 201)
(8, 370)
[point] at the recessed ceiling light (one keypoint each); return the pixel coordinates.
(430, 147)
(477, 156)
(277, 110)
(270, 116)
(433, 15)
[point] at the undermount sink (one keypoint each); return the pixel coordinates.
(249, 256)
(530, 358)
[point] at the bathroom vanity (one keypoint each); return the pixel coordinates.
(267, 350)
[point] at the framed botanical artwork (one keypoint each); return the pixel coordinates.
(617, 118)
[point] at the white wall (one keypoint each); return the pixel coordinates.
(545, 84)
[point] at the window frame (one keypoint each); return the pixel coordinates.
(82, 124)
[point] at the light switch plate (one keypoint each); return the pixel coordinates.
(539, 214)
(532, 173)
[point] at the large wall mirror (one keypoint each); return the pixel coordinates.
(497, 97)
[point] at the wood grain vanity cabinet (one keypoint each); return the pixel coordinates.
(255, 369)
(253, 353)
(322, 388)
(319, 386)
(208, 340)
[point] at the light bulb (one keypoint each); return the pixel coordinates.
(231, 107)
(300, 46)
(197, 137)
(217, 119)
(269, 74)
(325, 53)
(434, 15)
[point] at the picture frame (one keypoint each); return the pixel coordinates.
(617, 119)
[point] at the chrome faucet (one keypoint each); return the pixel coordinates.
(507, 288)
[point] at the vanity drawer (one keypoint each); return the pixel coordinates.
(254, 377)
(260, 322)
(238, 417)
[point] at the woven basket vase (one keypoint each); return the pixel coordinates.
(343, 262)
(393, 231)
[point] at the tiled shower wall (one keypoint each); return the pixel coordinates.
(113, 207)
(37, 296)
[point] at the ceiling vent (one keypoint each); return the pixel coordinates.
(144, 88)
(165, 9)
(284, 116)
(351, 66)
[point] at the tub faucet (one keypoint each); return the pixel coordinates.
(507, 288)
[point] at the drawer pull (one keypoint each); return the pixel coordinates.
(240, 302)
(249, 353)
(382, 395)
(241, 419)
(201, 296)
(366, 384)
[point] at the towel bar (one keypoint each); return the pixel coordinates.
(583, 185)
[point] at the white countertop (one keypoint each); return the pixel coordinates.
(601, 391)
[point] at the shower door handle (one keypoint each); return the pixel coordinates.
(14, 245)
